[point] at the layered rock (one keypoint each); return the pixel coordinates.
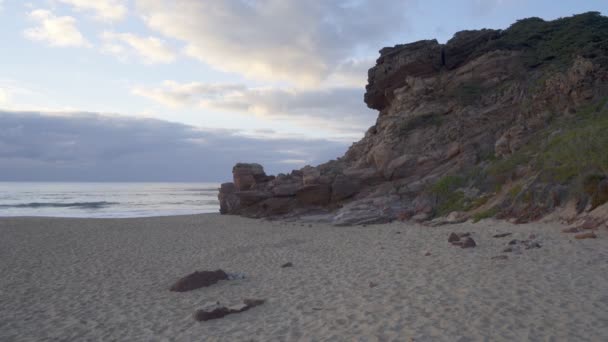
(449, 115)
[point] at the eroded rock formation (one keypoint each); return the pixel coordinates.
(462, 127)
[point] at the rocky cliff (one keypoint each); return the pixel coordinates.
(507, 123)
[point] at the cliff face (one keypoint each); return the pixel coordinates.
(475, 127)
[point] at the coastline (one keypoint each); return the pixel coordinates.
(108, 279)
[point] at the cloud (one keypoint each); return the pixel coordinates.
(337, 108)
(104, 10)
(303, 42)
(150, 49)
(96, 147)
(55, 31)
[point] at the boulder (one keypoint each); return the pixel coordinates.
(198, 279)
(229, 201)
(245, 176)
(318, 194)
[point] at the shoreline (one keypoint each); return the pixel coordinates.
(109, 279)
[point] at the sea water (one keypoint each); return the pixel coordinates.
(102, 200)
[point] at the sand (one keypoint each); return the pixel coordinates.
(108, 280)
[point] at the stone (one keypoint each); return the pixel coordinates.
(318, 194)
(590, 235)
(501, 235)
(198, 279)
(215, 311)
(453, 238)
(468, 242)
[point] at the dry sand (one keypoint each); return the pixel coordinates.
(108, 280)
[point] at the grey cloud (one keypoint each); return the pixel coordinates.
(94, 147)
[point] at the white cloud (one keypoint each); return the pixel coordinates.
(303, 42)
(150, 49)
(105, 10)
(3, 97)
(337, 108)
(173, 94)
(55, 31)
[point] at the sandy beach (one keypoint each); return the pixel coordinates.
(108, 280)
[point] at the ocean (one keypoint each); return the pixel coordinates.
(105, 200)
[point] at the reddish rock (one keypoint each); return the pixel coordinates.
(317, 194)
(197, 280)
(590, 235)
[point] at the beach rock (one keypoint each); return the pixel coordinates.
(468, 242)
(590, 235)
(198, 279)
(215, 310)
(446, 110)
(288, 264)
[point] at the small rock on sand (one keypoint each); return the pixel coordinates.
(498, 236)
(215, 311)
(468, 243)
(197, 280)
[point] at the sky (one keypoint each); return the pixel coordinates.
(181, 90)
